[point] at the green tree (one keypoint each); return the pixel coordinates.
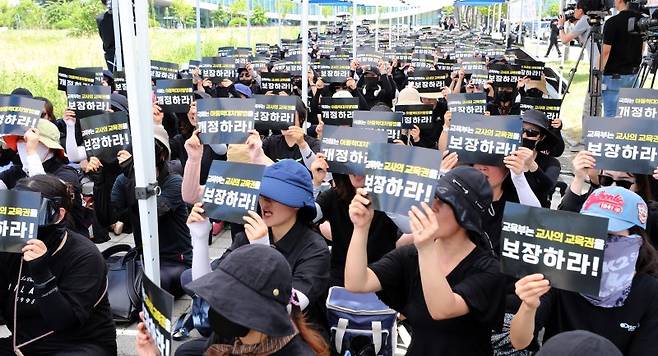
(258, 16)
(27, 14)
(221, 16)
(238, 8)
(237, 22)
(552, 10)
(327, 11)
(183, 12)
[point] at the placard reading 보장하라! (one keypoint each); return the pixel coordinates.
(469, 103)
(274, 112)
(88, 100)
(106, 134)
(19, 219)
(19, 114)
(484, 139)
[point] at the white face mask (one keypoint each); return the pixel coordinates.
(42, 151)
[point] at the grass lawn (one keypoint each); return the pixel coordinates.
(31, 58)
(572, 106)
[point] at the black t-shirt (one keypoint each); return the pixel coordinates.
(81, 277)
(626, 49)
(477, 279)
(276, 148)
(381, 238)
(633, 327)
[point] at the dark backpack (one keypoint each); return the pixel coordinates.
(124, 275)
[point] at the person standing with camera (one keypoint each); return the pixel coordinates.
(622, 55)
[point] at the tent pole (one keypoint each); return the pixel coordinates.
(377, 31)
(390, 28)
(134, 16)
(118, 56)
(249, 23)
(508, 25)
(198, 29)
(304, 52)
(354, 29)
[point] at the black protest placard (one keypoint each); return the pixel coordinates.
(566, 247)
(19, 114)
(494, 52)
(275, 81)
(428, 81)
(483, 139)
(369, 57)
(550, 107)
(346, 148)
(422, 61)
(531, 69)
(158, 308)
(98, 72)
(106, 134)
(469, 103)
(218, 68)
(174, 96)
(389, 122)
(68, 76)
(232, 190)
(120, 83)
(263, 48)
(291, 64)
(424, 48)
(259, 61)
(88, 100)
(445, 64)
(164, 70)
(19, 219)
(416, 114)
(462, 52)
(274, 112)
(404, 54)
(193, 64)
(341, 54)
(479, 77)
(225, 51)
(334, 70)
(622, 145)
(399, 177)
(471, 64)
(225, 120)
(637, 103)
(504, 74)
(338, 111)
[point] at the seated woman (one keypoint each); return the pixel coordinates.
(448, 283)
(624, 311)
(61, 307)
(249, 294)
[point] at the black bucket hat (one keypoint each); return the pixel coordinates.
(540, 120)
(250, 287)
(469, 194)
(578, 342)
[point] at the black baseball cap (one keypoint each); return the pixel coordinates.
(578, 343)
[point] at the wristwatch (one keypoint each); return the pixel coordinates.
(561, 27)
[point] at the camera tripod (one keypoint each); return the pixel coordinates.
(649, 64)
(594, 42)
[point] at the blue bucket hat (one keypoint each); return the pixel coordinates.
(244, 90)
(289, 183)
(623, 208)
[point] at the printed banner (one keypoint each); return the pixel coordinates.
(19, 114)
(484, 139)
(469, 103)
(174, 96)
(19, 219)
(346, 148)
(164, 70)
(158, 308)
(531, 69)
(67, 77)
(334, 70)
(622, 145)
(225, 120)
(428, 81)
(274, 112)
(419, 114)
(218, 68)
(638, 103)
(550, 107)
(106, 134)
(389, 122)
(338, 111)
(232, 190)
(398, 176)
(566, 247)
(275, 82)
(88, 100)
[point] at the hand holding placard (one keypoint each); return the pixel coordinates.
(33, 250)
(361, 211)
(530, 289)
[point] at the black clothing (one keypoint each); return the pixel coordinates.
(495, 110)
(105, 26)
(543, 180)
(65, 304)
(381, 236)
(633, 327)
(553, 43)
(296, 347)
(477, 279)
(276, 148)
(626, 49)
(207, 156)
(555, 30)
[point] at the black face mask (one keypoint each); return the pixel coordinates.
(51, 235)
(528, 143)
(534, 93)
(504, 96)
(224, 327)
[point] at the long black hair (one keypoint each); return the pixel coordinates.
(647, 261)
(53, 188)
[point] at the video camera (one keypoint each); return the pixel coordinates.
(594, 9)
(646, 24)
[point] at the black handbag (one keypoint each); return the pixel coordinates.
(124, 274)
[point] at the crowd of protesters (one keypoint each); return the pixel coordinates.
(439, 267)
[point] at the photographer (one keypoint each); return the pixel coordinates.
(622, 54)
(581, 31)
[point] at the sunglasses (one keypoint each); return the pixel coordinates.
(606, 181)
(531, 132)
